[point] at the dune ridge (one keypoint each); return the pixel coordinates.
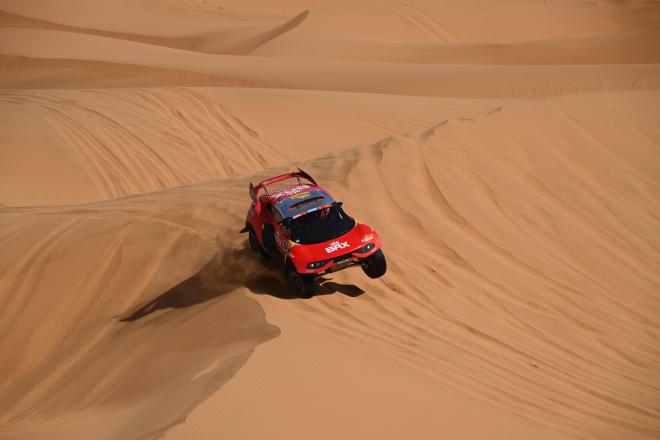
(302, 73)
(229, 41)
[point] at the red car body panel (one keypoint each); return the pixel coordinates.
(338, 253)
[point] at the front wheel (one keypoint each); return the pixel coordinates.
(302, 285)
(375, 265)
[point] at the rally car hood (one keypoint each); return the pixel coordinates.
(360, 235)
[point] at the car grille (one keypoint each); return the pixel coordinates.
(342, 257)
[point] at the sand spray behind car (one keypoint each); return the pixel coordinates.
(229, 269)
(233, 267)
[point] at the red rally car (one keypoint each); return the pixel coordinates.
(304, 224)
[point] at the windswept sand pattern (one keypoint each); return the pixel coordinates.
(499, 278)
(424, 28)
(515, 279)
(142, 140)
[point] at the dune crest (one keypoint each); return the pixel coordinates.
(230, 40)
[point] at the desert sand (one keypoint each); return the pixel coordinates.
(508, 153)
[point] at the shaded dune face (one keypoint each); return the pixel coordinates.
(506, 153)
(233, 39)
(111, 313)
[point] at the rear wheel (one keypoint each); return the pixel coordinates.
(255, 246)
(268, 239)
(375, 265)
(303, 285)
(252, 239)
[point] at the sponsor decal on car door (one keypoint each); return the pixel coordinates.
(281, 241)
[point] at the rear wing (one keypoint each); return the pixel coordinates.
(300, 174)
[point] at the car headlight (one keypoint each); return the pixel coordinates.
(366, 248)
(316, 264)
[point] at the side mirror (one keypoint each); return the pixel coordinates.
(253, 193)
(340, 203)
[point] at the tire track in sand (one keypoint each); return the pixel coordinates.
(522, 316)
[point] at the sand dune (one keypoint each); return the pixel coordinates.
(126, 254)
(230, 40)
(34, 73)
(166, 138)
(635, 48)
(442, 32)
(471, 260)
(165, 21)
(478, 265)
(391, 78)
(175, 136)
(507, 152)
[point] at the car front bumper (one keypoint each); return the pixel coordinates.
(341, 262)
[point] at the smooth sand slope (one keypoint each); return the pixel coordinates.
(508, 154)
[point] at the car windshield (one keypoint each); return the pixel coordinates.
(321, 225)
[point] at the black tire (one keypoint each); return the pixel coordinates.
(375, 265)
(302, 285)
(254, 242)
(268, 239)
(255, 246)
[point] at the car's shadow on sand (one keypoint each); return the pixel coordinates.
(225, 272)
(271, 282)
(228, 270)
(276, 287)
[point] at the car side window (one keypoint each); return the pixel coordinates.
(283, 227)
(277, 216)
